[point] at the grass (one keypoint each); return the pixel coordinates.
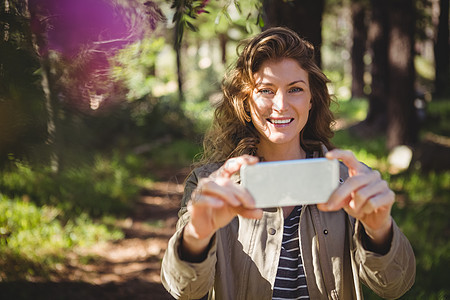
(33, 239)
(44, 214)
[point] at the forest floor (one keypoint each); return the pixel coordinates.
(124, 269)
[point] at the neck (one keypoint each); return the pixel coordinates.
(281, 152)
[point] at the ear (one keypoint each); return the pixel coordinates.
(246, 106)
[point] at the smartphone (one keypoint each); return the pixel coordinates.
(291, 182)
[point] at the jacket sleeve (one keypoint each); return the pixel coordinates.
(390, 275)
(182, 279)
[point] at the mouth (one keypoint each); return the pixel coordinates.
(283, 121)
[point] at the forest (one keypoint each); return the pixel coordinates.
(104, 104)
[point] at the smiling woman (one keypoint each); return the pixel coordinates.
(276, 107)
(279, 107)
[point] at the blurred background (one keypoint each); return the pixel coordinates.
(103, 104)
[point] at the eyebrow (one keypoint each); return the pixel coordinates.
(271, 84)
(297, 81)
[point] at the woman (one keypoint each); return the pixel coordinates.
(276, 107)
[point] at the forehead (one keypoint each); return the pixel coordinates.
(279, 71)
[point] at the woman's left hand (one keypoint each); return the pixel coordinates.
(365, 196)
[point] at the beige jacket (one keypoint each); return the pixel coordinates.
(243, 259)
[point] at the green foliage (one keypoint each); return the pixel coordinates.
(202, 112)
(351, 110)
(421, 213)
(438, 117)
(422, 202)
(103, 186)
(34, 238)
(135, 66)
(372, 152)
(22, 110)
(45, 215)
(177, 153)
(222, 16)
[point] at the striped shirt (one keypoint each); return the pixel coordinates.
(290, 282)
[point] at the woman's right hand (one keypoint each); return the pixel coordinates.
(214, 203)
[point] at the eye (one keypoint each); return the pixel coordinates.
(265, 91)
(296, 90)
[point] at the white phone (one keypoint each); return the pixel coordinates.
(291, 182)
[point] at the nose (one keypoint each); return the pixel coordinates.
(280, 102)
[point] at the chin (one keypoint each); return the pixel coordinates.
(281, 140)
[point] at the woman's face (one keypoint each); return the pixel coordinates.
(280, 103)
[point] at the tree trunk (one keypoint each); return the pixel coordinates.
(402, 125)
(302, 16)
(179, 72)
(39, 41)
(358, 48)
(378, 39)
(442, 52)
(223, 39)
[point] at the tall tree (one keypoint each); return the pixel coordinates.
(358, 8)
(378, 43)
(22, 114)
(47, 81)
(378, 39)
(442, 51)
(391, 101)
(302, 16)
(402, 125)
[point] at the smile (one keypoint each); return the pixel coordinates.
(280, 121)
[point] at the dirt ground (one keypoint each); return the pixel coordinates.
(124, 269)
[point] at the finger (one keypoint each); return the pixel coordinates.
(233, 165)
(367, 192)
(240, 193)
(383, 200)
(206, 200)
(249, 213)
(343, 194)
(227, 191)
(211, 187)
(349, 159)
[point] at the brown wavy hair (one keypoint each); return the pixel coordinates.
(232, 132)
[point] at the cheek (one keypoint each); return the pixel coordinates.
(259, 105)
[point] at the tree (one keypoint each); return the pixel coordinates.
(402, 126)
(302, 16)
(55, 69)
(378, 35)
(441, 51)
(47, 81)
(22, 113)
(358, 8)
(391, 101)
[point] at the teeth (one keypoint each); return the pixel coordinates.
(285, 121)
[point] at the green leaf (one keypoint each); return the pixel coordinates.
(191, 26)
(238, 6)
(260, 21)
(227, 16)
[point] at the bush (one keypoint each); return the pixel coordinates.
(100, 187)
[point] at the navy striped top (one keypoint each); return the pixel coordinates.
(290, 282)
